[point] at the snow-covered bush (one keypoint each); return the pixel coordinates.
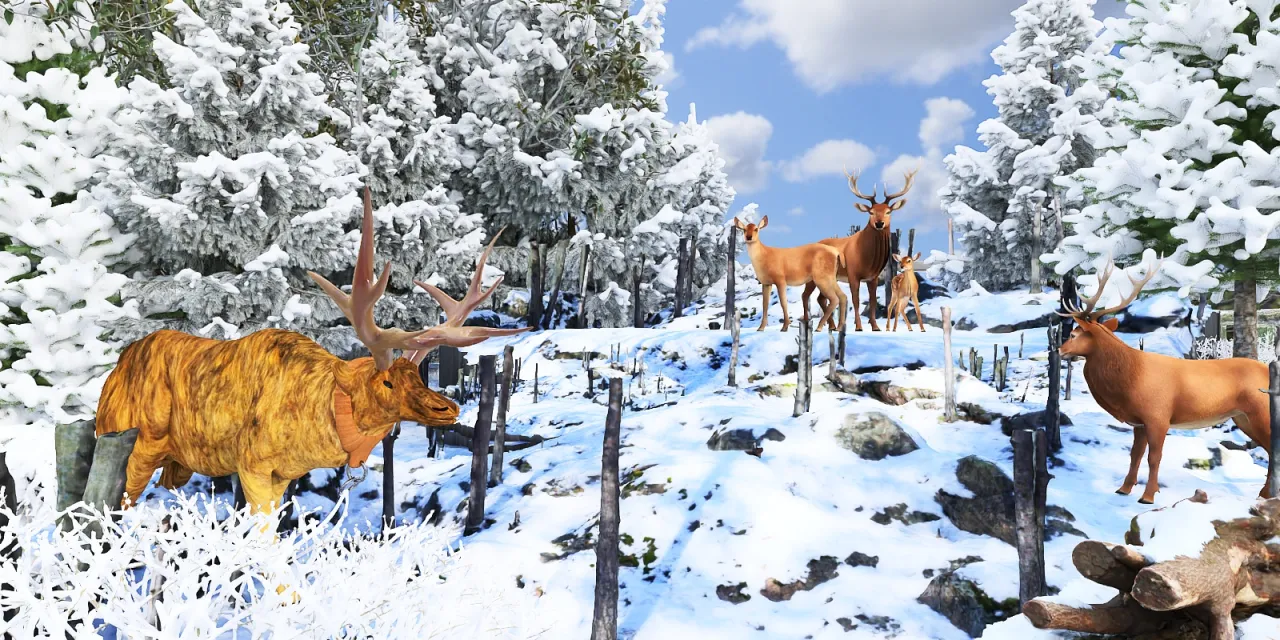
(1214, 349)
(182, 572)
(1001, 198)
(56, 293)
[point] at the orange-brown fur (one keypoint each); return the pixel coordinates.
(812, 265)
(1154, 393)
(905, 289)
(260, 406)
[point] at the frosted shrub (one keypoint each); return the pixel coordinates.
(1213, 349)
(180, 572)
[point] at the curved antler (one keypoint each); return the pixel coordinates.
(451, 332)
(1085, 311)
(853, 186)
(1133, 295)
(909, 177)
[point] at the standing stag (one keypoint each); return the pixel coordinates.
(1154, 393)
(813, 265)
(274, 405)
(906, 289)
(866, 252)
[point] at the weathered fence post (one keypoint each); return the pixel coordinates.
(804, 368)
(450, 362)
(105, 487)
(682, 261)
(604, 621)
(389, 477)
(948, 371)
(1066, 387)
(911, 242)
(499, 440)
(480, 448)
(831, 353)
(534, 318)
(1273, 464)
(730, 279)
(73, 446)
(637, 308)
(1028, 445)
(535, 383)
(1053, 416)
(840, 346)
(735, 325)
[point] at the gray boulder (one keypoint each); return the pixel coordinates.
(965, 604)
(874, 436)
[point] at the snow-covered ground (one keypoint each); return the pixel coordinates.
(696, 519)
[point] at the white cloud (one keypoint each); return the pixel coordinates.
(829, 157)
(831, 43)
(931, 177)
(796, 211)
(743, 139)
(944, 123)
(669, 75)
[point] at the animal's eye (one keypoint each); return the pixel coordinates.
(387, 384)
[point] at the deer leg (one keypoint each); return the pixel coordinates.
(782, 300)
(854, 285)
(260, 491)
(1155, 439)
(915, 298)
(764, 303)
(804, 299)
(872, 285)
(147, 456)
(1256, 423)
(844, 304)
(1135, 458)
(833, 290)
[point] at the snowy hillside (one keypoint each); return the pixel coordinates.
(722, 544)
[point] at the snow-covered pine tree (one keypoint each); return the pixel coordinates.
(56, 294)
(1190, 168)
(228, 183)
(410, 152)
(1000, 197)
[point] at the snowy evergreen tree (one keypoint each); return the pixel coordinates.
(1003, 199)
(56, 293)
(227, 183)
(1190, 168)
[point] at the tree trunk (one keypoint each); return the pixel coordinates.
(500, 437)
(1052, 411)
(535, 286)
(735, 326)
(604, 621)
(1036, 233)
(1030, 539)
(948, 371)
(553, 308)
(389, 478)
(637, 306)
(691, 271)
(583, 274)
(682, 261)
(730, 281)
(1245, 320)
(480, 448)
(1273, 462)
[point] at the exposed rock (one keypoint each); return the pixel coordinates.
(975, 413)
(965, 604)
(570, 543)
(741, 439)
(557, 489)
(883, 624)
(733, 593)
(1030, 420)
(895, 395)
(874, 436)
(845, 381)
(782, 390)
(859, 559)
(877, 368)
(821, 570)
(790, 365)
(522, 465)
(774, 435)
(899, 512)
(1041, 322)
(990, 511)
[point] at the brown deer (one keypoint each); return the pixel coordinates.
(813, 265)
(1153, 392)
(867, 251)
(274, 405)
(905, 289)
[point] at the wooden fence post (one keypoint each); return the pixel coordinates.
(534, 318)
(389, 478)
(604, 620)
(637, 307)
(1273, 464)
(682, 261)
(911, 242)
(948, 371)
(480, 448)
(804, 368)
(1028, 445)
(535, 383)
(499, 440)
(730, 281)
(105, 487)
(1053, 416)
(735, 326)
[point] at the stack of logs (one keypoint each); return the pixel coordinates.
(1236, 574)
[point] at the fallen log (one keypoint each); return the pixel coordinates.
(460, 435)
(1233, 577)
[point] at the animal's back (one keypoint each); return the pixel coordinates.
(137, 391)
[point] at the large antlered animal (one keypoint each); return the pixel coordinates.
(813, 265)
(1153, 392)
(274, 405)
(867, 251)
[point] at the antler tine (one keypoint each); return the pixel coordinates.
(909, 177)
(1133, 295)
(365, 292)
(1087, 304)
(853, 186)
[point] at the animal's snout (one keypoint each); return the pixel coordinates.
(879, 225)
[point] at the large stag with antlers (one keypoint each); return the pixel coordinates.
(1154, 393)
(866, 252)
(274, 405)
(813, 265)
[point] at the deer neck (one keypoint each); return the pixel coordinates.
(1110, 369)
(756, 250)
(873, 246)
(357, 440)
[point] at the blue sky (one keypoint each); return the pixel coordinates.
(793, 88)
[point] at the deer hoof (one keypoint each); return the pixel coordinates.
(1144, 500)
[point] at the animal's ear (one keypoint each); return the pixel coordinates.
(917, 257)
(862, 207)
(738, 223)
(764, 222)
(897, 205)
(897, 258)
(1110, 323)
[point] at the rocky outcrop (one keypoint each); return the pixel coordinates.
(874, 436)
(965, 604)
(990, 511)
